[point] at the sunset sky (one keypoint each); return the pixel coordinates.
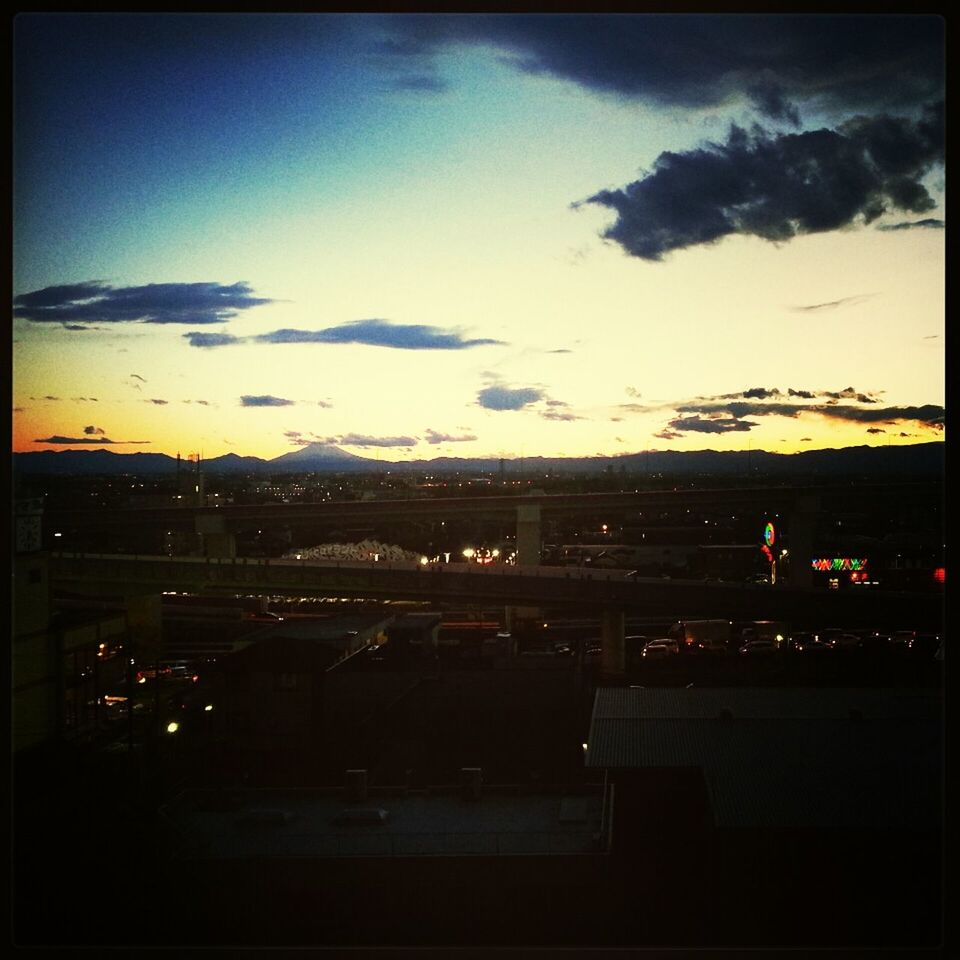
(416, 236)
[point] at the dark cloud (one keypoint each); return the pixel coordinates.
(557, 403)
(928, 414)
(561, 350)
(776, 186)
(19, 409)
(79, 440)
(848, 393)
(85, 399)
(431, 436)
(559, 415)
(765, 393)
(373, 333)
(701, 60)
(932, 336)
(380, 333)
(264, 401)
(159, 403)
(715, 424)
(831, 304)
(92, 430)
(96, 301)
(875, 430)
(359, 440)
(667, 434)
(138, 377)
(78, 326)
(324, 404)
(930, 224)
(768, 97)
(211, 339)
(498, 397)
(806, 439)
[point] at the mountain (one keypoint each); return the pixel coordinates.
(319, 456)
(921, 459)
(234, 463)
(88, 462)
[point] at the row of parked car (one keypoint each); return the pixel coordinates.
(910, 642)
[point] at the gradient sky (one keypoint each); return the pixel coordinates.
(421, 235)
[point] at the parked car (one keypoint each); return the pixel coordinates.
(659, 649)
(758, 647)
(845, 641)
(808, 643)
(712, 645)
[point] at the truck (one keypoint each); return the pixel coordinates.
(701, 635)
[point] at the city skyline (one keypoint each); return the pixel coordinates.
(428, 235)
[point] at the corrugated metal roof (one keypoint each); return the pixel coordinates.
(788, 758)
(762, 702)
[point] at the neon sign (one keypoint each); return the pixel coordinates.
(769, 535)
(825, 564)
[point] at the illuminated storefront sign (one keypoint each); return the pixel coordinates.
(769, 535)
(826, 564)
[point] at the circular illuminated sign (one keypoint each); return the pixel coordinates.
(769, 535)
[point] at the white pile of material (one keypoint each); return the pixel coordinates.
(364, 550)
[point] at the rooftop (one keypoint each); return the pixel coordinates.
(302, 823)
(838, 758)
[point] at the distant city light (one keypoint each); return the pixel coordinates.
(58, 534)
(173, 726)
(208, 708)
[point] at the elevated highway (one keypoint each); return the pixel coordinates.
(783, 498)
(596, 591)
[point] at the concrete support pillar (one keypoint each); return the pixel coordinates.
(613, 648)
(217, 540)
(528, 534)
(803, 522)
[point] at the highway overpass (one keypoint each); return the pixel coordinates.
(574, 589)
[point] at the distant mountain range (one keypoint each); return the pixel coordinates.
(921, 459)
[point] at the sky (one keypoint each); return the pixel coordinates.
(423, 235)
